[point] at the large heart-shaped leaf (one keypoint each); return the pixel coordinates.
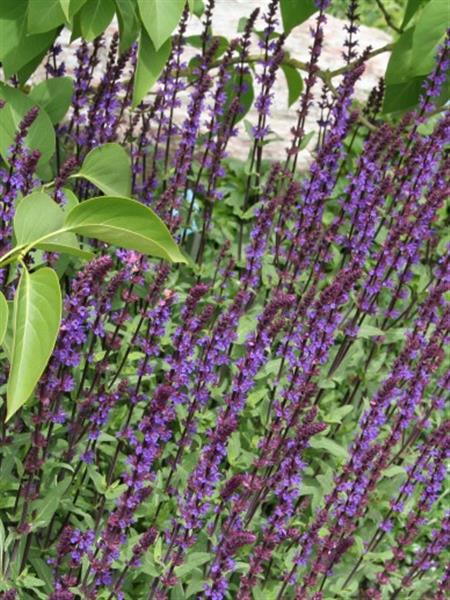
(36, 319)
(3, 316)
(160, 17)
(126, 223)
(108, 167)
(44, 16)
(95, 16)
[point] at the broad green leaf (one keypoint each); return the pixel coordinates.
(150, 63)
(71, 7)
(294, 83)
(95, 16)
(399, 97)
(160, 18)
(108, 167)
(37, 315)
(3, 317)
(38, 215)
(429, 32)
(399, 65)
(8, 336)
(44, 15)
(54, 96)
(126, 223)
(17, 47)
(41, 135)
(128, 23)
(46, 507)
(411, 8)
(294, 12)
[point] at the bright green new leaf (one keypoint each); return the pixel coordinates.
(41, 135)
(44, 15)
(128, 23)
(411, 8)
(160, 18)
(95, 16)
(36, 319)
(126, 223)
(108, 167)
(294, 83)
(149, 66)
(3, 317)
(294, 12)
(54, 96)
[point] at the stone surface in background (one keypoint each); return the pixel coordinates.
(225, 22)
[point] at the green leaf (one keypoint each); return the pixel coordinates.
(3, 317)
(54, 96)
(95, 16)
(37, 215)
(37, 314)
(128, 23)
(193, 560)
(246, 99)
(8, 336)
(399, 65)
(323, 443)
(411, 8)
(71, 7)
(429, 32)
(108, 167)
(46, 507)
(337, 414)
(41, 135)
(150, 63)
(126, 223)
(294, 12)
(368, 331)
(160, 18)
(17, 47)
(294, 83)
(402, 96)
(44, 15)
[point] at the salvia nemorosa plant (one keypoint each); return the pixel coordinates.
(265, 419)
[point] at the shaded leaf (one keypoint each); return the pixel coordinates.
(294, 12)
(128, 23)
(95, 16)
(150, 63)
(54, 96)
(44, 15)
(294, 83)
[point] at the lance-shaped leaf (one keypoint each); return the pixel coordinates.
(3, 316)
(108, 167)
(36, 319)
(126, 223)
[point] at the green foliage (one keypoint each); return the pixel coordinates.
(108, 168)
(3, 317)
(294, 83)
(54, 96)
(149, 65)
(294, 12)
(160, 17)
(41, 135)
(36, 318)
